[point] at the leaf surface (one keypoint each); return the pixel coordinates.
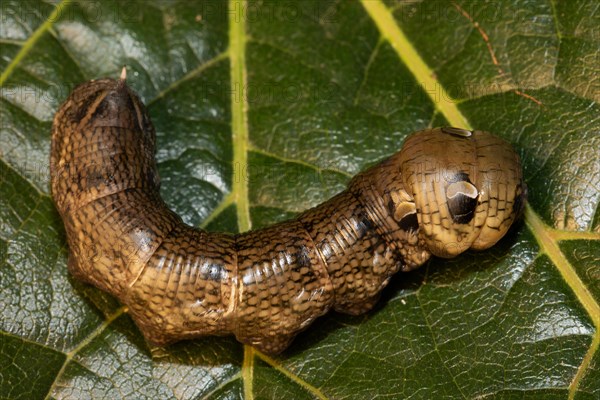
(263, 109)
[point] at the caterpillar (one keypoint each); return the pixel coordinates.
(447, 190)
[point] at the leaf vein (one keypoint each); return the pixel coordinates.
(32, 40)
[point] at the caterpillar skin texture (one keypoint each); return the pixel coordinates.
(447, 190)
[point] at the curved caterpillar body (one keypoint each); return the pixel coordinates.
(447, 190)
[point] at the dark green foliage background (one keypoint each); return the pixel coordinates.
(325, 97)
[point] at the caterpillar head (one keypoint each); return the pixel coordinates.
(467, 188)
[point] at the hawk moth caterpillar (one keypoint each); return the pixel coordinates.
(446, 190)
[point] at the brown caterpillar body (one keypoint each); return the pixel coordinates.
(447, 190)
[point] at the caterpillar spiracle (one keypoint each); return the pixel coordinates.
(446, 190)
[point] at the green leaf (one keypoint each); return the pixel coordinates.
(266, 108)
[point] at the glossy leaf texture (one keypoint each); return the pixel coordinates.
(265, 108)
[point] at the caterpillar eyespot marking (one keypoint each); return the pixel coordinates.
(436, 196)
